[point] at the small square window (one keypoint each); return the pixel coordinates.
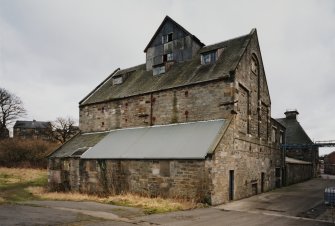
(167, 38)
(117, 80)
(208, 58)
(158, 70)
(168, 57)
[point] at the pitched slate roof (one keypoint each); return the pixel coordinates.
(141, 81)
(32, 124)
(79, 143)
(295, 134)
(192, 140)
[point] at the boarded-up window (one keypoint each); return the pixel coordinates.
(274, 135)
(117, 80)
(244, 111)
(264, 122)
(164, 168)
(91, 165)
(158, 70)
(66, 165)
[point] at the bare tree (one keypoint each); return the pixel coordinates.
(64, 128)
(11, 108)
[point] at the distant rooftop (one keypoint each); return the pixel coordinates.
(32, 124)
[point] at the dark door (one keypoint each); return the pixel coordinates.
(278, 178)
(254, 189)
(231, 185)
(262, 182)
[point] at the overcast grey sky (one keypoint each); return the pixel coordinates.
(53, 53)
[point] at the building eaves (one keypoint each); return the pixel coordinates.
(140, 81)
(98, 87)
(82, 141)
(193, 140)
(295, 134)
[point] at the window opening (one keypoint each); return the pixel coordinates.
(167, 38)
(158, 70)
(208, 58)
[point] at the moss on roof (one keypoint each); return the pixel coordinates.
(139, 81)
(80, 141)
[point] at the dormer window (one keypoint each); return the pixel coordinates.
(167, 38)
(117, 80)
(208, 57)
(157, 70)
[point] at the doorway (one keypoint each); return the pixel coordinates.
(231, 185)
(262, 182)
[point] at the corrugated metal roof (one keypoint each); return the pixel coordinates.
(176, 141)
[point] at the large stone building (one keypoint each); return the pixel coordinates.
(194, 121)
(32, 130)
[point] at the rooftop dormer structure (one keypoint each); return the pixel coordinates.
(170, 44)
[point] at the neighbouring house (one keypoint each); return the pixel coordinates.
(300, 149)
(32, 130)
(194, 121)
(329, 163)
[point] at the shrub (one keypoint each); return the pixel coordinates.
(25, 153)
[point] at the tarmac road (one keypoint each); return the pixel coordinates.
(300, 204)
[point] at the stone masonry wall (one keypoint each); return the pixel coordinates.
(164, 178)
(247, 150)
(63, 174)
(252, 163)
(200, 102)
(252, 96)
(296, 173)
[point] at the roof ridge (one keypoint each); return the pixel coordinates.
(228, 40)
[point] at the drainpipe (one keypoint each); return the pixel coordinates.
(151, 108)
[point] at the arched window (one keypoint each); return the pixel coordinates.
(254, 64)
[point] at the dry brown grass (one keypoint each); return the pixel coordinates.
(20, 175)
(27, 184)
(150, 205)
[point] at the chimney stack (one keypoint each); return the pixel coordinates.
(291, 114)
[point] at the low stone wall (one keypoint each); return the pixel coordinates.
(296, 173)
(165, 178)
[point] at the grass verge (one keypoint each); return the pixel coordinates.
(13, 182)
(17, 185)
(149, 205)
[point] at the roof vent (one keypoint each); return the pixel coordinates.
(291, 114)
